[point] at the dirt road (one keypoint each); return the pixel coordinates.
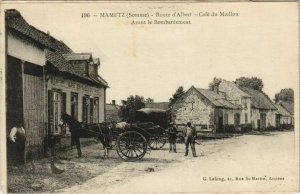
(243, 163)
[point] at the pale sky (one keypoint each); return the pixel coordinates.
(153, 60)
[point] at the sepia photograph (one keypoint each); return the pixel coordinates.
(149, 97)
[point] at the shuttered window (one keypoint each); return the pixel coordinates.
(74, 105)
(96, 110)
(91, 110)
(85, 107)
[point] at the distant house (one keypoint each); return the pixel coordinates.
(159, 105)
(207, 110)
(263, 111)
(283, 118)
(112, 112)
(257, 108)
(238, 97)
(288, 106)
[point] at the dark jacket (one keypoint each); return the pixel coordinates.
(172, 133)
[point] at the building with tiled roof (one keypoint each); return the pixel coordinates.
(159, 105)
(284, 118)
(45, 77)
(259, 100)
(208, 111)
(286, 112)
(289, 106)
(257, 108)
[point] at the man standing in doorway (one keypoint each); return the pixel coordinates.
(17, 138)
(189, 134)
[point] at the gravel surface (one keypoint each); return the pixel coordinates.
(253, 155)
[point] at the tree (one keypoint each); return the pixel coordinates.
(215, 83)
(179, 92)
(286, 94)
(130, 106)
(253, 83)
(149, 100)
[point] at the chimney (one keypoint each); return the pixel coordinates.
(216, 88)
(113, 102)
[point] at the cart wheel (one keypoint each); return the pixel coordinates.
(157, 142)
(131, 146)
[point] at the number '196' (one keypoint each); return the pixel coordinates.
(85, 15)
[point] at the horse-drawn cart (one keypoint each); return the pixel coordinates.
(131, 141)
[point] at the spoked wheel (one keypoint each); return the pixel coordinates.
(157, 142)
(131, 146)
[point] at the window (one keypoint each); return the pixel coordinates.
(74, 105)
(56, 105)
(246, 117)
(244, 103)
(96, 110)
(85, 108)
(63, 109)
(91, 110)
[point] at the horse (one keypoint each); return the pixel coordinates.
(78, 130)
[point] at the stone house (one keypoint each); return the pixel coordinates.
(208, 111)
(257, 108)
(44, 78)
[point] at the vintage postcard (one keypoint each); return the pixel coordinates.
(149, 97)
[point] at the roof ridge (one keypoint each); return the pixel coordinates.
(13, 13)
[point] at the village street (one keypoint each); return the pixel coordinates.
(247, 162)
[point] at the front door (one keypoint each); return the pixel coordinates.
(277, 120)
(220, 121)
(237, 119)
(263, 119)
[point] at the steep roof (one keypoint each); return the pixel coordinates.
(159, 105)
(78, 56)
(217, 99)
(282, 110)
(55, 50)
(289, 106)
(239, 91)
(259, 99)
(15, 22)
(151, 110)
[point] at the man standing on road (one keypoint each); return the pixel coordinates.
(172, 137)
(189, 134)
